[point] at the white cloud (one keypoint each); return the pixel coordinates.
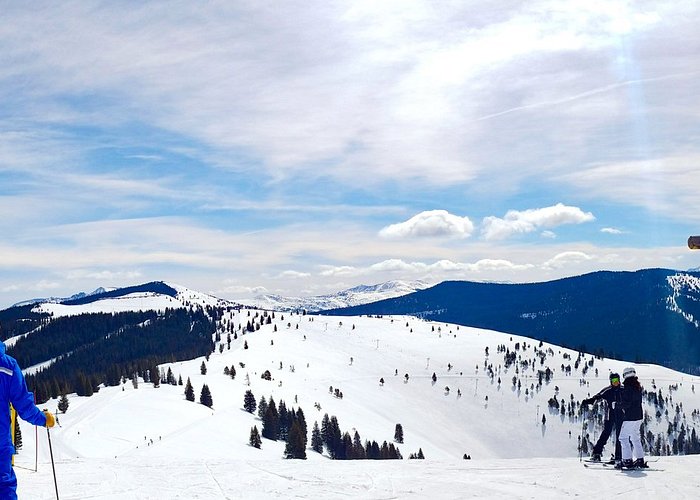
(339, 271)
(387, 88)
(431, 223)
(233, 289)
(527, 221)
(611, 230)
(293, 274)
(549, 234)
(104, 275)
(565, 259)
(46, 285)
(443, 268)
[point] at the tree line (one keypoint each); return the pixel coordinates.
(103, 348)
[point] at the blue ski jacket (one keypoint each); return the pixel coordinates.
(13, 389)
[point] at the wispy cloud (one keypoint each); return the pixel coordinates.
(665, 185)
(231, 141)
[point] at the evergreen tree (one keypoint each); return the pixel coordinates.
(249, 403)
(179, 380)
(189, 391)
(316, 440)
(205, 396)
(358, 450)
(262, 407)
(255, 440)
(284, 420)
(335, 439)
(384, 452)
(203, 368)
(325, 435)
(346, 451)
(155, 376)
(232, 372)
(170, 378)
(394, 453)
(295, 443)
(398, 433)
(63, 403)
(271, 422)
(299, 417)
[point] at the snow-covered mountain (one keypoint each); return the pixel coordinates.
(78, 295)
(154, 296)
(484, 394)
(362, 294)
(651, 315)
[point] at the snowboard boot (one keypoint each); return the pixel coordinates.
(640, 464)
(612, 460)
(595, 457)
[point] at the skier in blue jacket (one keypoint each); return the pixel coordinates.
(13, 389)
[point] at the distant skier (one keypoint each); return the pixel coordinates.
(611, 394)
(631, 403)
(13, 389)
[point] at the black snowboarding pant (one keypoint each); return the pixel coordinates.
(607, 429)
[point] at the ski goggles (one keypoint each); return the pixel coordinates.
(615, 380)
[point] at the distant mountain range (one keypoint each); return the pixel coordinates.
(650, 315)
(361, 294)
(57, 300)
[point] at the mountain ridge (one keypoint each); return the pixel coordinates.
(356, 295)
(648, 315)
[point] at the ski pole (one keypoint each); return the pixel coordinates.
(53, 467)
(583, 427)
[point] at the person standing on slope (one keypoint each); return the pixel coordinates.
(611, 395)
(630, 437)
(13, 389)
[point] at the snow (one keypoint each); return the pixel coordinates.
(213, 479)
(362, 294)
(146, 442)
(146, 301)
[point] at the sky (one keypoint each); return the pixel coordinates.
(300, 148)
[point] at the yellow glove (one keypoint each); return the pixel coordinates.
(50, 419)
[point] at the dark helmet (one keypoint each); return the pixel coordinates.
(614, 377)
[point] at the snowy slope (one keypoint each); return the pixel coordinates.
(145, 442)
(137, 301)
(362, 294)
(161, 478)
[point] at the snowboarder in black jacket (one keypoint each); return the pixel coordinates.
(630, 437)
(611, 394)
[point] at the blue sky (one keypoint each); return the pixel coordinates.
(305, 147)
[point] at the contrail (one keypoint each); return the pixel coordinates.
(588, 93)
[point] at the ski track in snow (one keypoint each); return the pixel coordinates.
(507, 478)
